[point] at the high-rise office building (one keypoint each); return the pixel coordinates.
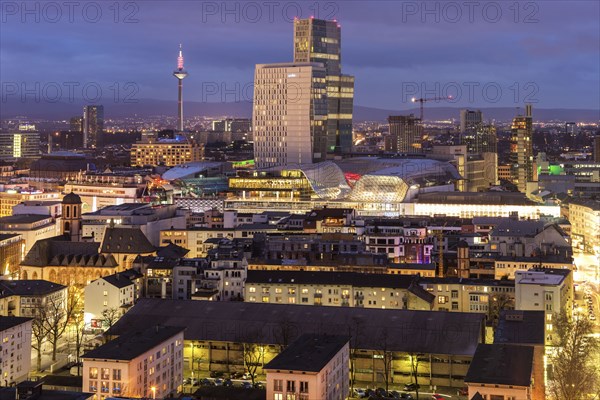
(597, 149)
(25, 143)
(289, 114)
(93, 126)
(478, 137)
(76, 124)
(168, 152)
(406, 134)
(317, 40)
(521, 149)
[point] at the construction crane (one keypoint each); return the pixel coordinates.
(423, 100)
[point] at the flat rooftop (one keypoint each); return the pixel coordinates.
(429, 332)
(542, 276)
(309, 353)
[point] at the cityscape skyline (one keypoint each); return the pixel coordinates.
(515, 62)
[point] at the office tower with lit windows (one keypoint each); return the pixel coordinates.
(478, 137)
(93, 126)
(406, 134)
(521, 149)
(167, 152)
(289, 114)
(25, 143)
(317, 40)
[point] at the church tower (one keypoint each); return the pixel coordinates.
(71, 216)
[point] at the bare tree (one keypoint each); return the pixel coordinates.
(575, 372)
(110, 316)
(59, 314)
(38, 334)
(254, 357)
(79, 327)
(414, 370)
(284, 332)
(497, 303)
(386, 356)
(55, 322)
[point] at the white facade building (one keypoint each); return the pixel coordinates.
(15, 349)
(114, 292)
(548, 290)
(145, 364)
(289, 114)
(312, 367)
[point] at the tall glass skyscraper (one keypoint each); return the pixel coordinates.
(478, 138)
(93, 125)
(317, 40)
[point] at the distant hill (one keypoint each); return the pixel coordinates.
(148, 107)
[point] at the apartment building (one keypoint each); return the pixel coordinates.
(502, 371)
(346, 289)
(548, 290)
(22, 298)
(113, 292)
(15, 349)
(312, 367)
(469, 295)
(142, 363)
(584, 216)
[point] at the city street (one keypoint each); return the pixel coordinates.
(587, 280)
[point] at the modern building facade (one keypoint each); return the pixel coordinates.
(20, 144)
(406, 134)
(167, 152)
(93, 125)
(584, 216)
(317, 40)
(478, 137)
(289, 114)
(521, 149)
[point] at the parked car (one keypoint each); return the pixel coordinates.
(219, 382)
(216, 374)
(411, 387)
(227, 382)
(406, 396)
(381, 392)
(438, 397)
(246, 385)
(259, 385)
(360, 393)
(206, 382)
(246, 376)
(235, 375)
(463, 392)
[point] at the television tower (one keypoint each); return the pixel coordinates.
(180, 74)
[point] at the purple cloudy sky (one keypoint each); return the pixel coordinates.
(485, 54)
